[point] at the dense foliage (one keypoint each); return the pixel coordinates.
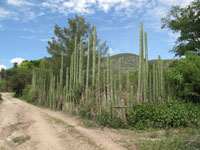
(185, 21)
(164, 115)
(184, 76)
(15, 79)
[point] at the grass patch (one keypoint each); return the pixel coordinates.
(21, 139)
(88, 123)
(179, 139)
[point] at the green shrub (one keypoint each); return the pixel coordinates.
(104, 119)
(164, 115)
(85, 112)
(29, 95)
(184, 76)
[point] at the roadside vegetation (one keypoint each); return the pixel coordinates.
(82, 79)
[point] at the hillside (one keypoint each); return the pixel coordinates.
(130, 61)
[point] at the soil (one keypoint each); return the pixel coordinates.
(27, 127)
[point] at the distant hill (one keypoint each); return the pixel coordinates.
(130, 61)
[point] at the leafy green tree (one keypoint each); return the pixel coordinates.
(184, 76)
(30, 64)
(185, 21)
(15, 79)
(64, 42)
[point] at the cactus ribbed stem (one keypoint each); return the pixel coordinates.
(145, 82)
(88, 67)
(94, 57)
(150, 87)
(154, 82)
(111, 81)
(99, 77)
(75, 63)
(146, 68)
(140, 70)
(108, 82)
(61, 73)
(120, 77)
(81, 63)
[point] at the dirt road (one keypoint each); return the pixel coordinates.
(27, 127)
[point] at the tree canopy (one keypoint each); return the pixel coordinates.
(64, 41)
(185, 21)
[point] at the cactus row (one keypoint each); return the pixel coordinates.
(97, 86)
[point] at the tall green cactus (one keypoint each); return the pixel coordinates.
(146, 76)
(108, 82)
(75, 63)
(61, 73)
(99, 77)
(33, 86)
(145, 82)
(81, 63)
(111, 82)
(88, 67)
(94, 57)
(154, 82)
(150, 86)
(120, 77)
(140, 70)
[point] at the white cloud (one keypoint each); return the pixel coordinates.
(19, 3)
(41, 14)
(182, 3)
(2, 67)
(28, 37)
(17, 60)
(45, 39)
(3, 13)
(113, 51)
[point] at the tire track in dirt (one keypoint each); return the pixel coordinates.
(48, 130)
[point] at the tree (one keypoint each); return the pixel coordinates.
(185, 21)
(184, 76)
(64, 41)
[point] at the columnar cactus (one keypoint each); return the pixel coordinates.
(145, 82)
(140, 70)
(108, 81)
(99, 75)
(75, 63)
(120, 77)
(150, 87)
(88, 67)
(111, 81)
(146, 69)
(81, 63)
(154, 82)
(94, 57)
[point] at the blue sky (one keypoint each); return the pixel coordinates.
(27, 25)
